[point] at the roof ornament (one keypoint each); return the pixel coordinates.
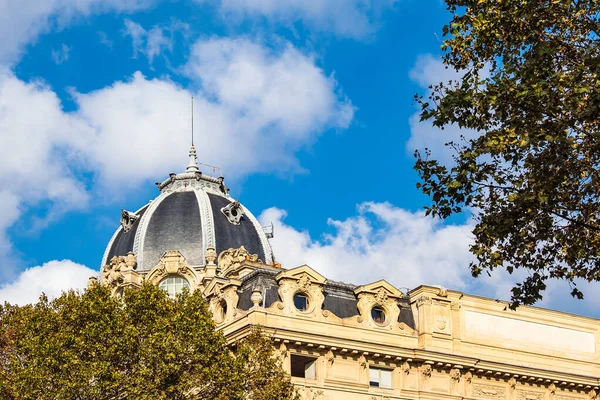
(127, 219)
(233, 211)
(192, 164)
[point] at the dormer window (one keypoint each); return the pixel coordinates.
(173, 285)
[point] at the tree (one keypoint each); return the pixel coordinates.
(530, 94)
(144, 346)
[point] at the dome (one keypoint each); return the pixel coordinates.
(193, 212)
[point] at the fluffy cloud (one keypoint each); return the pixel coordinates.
(51, 278)
(346, 18)
(380, 242)
(138, 129)
(407, 249)
(22, 24)
(249, 95)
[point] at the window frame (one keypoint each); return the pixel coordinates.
(378, 383)
(185, 284)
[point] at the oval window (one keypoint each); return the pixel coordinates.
(173, 285)
(301, 301)
(378, 315)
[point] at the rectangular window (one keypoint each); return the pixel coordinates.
(379, 377)
(303, 367)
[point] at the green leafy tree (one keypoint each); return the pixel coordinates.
(530, 93)
(144, 346)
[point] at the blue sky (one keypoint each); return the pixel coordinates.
(306, 105)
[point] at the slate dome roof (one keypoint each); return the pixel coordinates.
(192, 213)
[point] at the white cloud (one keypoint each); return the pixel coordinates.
(356, 19)
(139, 129)
(380, 242)
(51, 278)
(407, 249)
(61, 55)
(250, 96)
(20, 23)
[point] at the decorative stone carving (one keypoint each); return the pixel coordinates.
(423, 301)
(383, 295)
(426, 370)
(231, 259)
(489, 391)
(120, 272)
(303, 280)
(330, 357)
(512, 382)
(442, 322)
(455, 374)
(223, 298)
(233, 211)
(468, 377)
(92, 281)
(529, 395)
(362, 361)
(127, 219)
(173, 263)
(442, 291)
(309, 393)
(211, 256)
(455, 306)
(256, 298)
(406, 368)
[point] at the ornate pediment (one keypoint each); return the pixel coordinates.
(381, 290)
(231, 259)
(219, 284)
(172, 263)
(303, 274)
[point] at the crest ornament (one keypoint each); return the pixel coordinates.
(381, 296)
(127, 219)
(232, 258)
(234, 212)
(304, 282)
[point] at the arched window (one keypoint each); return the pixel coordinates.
(173, 285)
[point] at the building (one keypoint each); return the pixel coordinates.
(341, 341)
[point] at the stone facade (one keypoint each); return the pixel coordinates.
(373, 341)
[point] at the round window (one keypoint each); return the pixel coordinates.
(301, 301)
(173, 285)
(378, 315)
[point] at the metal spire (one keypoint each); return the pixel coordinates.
(192, 165)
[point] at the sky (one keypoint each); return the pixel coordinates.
(307, 106)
